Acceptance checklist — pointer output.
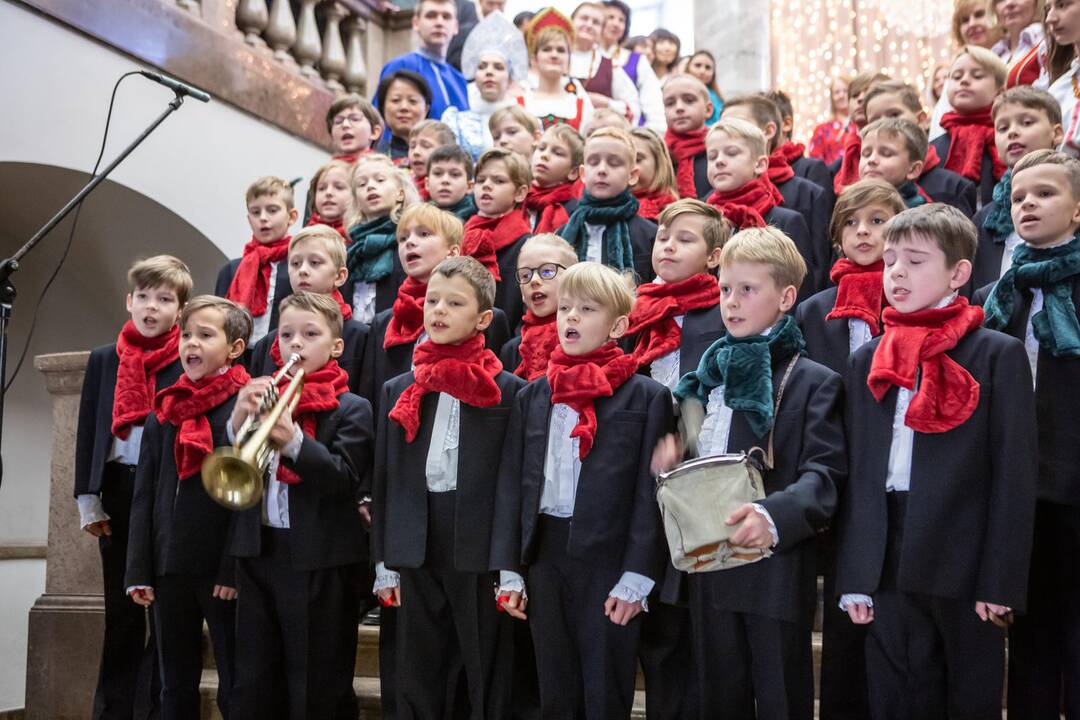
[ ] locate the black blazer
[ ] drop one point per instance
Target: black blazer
(354, 334)
(810, 466)
(818, 173)
(507, 291)
(794, 226)
(945, 186)
(400, 522)
(386, 290)
(1055, 408)
(827, 341)
(971, 504)
(93, 438)
(808, 199)
(986, 266)
(325, 529)
(175, 527)
(700, 329)
(985, 189)
(616, 520)
(642, 235)
(510, 355)
(282, 286)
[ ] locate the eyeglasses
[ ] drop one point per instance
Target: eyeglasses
(547, 271)
(354, 119)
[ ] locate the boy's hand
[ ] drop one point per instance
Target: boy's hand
(224, 592)
(143, 596)
(101, 528)
(390, 597)
(667, 453)
(1000, 615)
(860, 614)
(754, 531)
(513, 604)
(283, 429)
(249, 401)
(364, 510)
(621, 612)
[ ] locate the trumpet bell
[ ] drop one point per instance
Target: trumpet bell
(230, 480)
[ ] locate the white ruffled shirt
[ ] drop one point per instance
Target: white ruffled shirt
(665, 369)
(363, 302)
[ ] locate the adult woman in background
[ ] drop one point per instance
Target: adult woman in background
(637, 68)
(828, 138)
(666, 47)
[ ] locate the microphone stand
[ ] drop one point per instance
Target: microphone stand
(11, 264)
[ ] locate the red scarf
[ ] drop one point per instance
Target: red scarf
(650, 204)
(351, 158)
(321, 390)
(185, 405)
(779, 168)
(577, 380)
(407, 318)
(914, 342)
(657, 305)
(346, 308)
(485, 236)
(466, 372)
(792, 151)
(683, 148)
(547, 203)
(141, 358)
(421, 187)
(849, 164)
(970, 137)
(539, 337)
(931, 161)
(338, 225)
(860, 292)
(747, 206)
(251, 283)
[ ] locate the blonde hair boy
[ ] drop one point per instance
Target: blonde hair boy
(161, 270)
(766, 246)
(599, 283)
(741, 130)
(442, 223)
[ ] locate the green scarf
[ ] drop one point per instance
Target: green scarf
(744, 367)
(464, 209)
(1054, 271)
(909, 191)
(371, 254)
(999, 220)
(614, 214)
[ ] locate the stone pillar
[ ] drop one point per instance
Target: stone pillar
(736, 32)
(67, 623)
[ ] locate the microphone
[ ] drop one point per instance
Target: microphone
(176, 86)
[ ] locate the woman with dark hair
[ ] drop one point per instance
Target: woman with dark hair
(616, 29)
(666, 48)
(702, 65)
(404, 99)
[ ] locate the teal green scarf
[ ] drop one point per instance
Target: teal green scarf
(744, 367)
(371, 254)
(909, 191)
(1054, 271)
(615, 214)
(464, 209)
(999, 220)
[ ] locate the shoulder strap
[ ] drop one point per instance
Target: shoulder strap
(776, 409)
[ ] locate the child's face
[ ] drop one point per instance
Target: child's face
(862, 236)
(495, 192)
(404, 106)
(680, 250)
(1019, 130)
(731, 163)
(451, 311)
(351, 131)
(857, 105)
(885, 157)
(553, 58)
(269, 217)
(513, 136)
(1063, 21)
(684, 107)
(646, 164)
(889, 105)
(585, 325)
(551, 162)
(751, 301)
(609, 169)
(701, 67)
(420, 149)
(420, 249)
(312, 270)
(448, 183)
(375, 191)
(332, 194)
(307, 333)
(204, 347)
(492, 76)
(539, 294)
(153, 310)
(1044, 210)
(917, 275)
(971, 86)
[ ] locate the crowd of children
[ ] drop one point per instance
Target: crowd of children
(497, 354)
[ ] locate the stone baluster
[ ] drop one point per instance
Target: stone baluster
(355, 76)
(281, 31)
(252, 18)
(308, 46)
(333, 60)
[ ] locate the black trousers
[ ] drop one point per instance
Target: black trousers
(745, 660)
(128, 681)
(295, 637)
(181, 604)
(929, 657)
(666, 656)
(843, 658)
(585, 663)
(448, 620)
(1044, 644)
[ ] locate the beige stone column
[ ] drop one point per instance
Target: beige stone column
(736, 32)
(67, 623)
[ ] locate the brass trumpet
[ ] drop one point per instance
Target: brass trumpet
(233, 476)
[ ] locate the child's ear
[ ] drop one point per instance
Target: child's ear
(921, 119)
(294, 215)
(338, 348)
(519, 194)
(376, 133)
(1059, 135)
(709, 109)
(128, 301)
(635, 175)
(575, 173)
(712, 261)
(916, 170)
(470, 185)
(455, 250)
(619, 327)
(484, 320)
(961, 273)
(236, 348)
(787, 297)
(770, 131)
(761, 165)
(341, 277)
(581, 170)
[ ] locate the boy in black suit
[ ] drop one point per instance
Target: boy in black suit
(299, 549)
(177, 564)
(1035, 301)
(117, 396)
(433, 499)
(259, 280)
(686, 108)
(577, 451)
(450, 181)
(794, 153)
(605, 226)
(936, 520)
(752, 624)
